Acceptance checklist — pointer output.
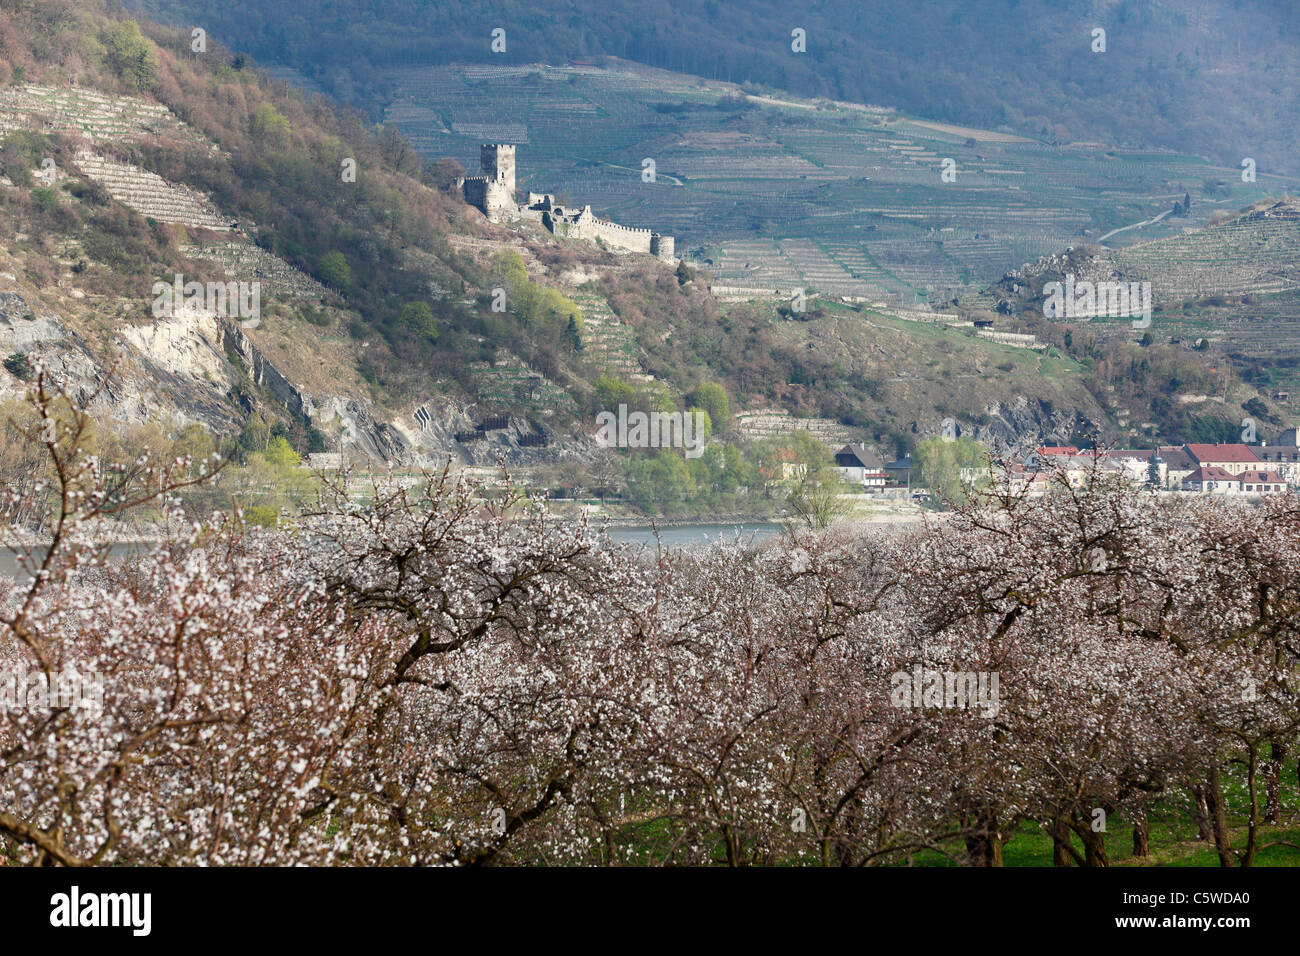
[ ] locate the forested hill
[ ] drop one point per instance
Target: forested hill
(1217, 77)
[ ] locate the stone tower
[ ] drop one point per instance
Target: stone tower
(498, 164)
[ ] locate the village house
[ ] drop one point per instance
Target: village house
(1212, 480)
(861, 466)
(1178, 465)
(1074, 463)
(1195, 468)
(898, 473)
(1261, 483)
(1029, 481)
(1284, 459)
(1233, 458)
(1133, 463)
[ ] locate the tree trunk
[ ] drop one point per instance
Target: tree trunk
(1203, 828)
(1252, 790)
(1218, 816)
(1094, 845)
(1277, 755)
(984, 847)
(1060, 834)
(1141, 833)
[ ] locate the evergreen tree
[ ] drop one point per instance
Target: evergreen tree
(572, 335)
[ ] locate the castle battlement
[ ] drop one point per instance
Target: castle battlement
(493, 194)
(609, 224)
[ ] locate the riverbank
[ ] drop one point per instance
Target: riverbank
(863, 508)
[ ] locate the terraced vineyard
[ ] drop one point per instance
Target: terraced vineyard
(1258, 254)
(1261, 337)
(606, 342)
(243, 261)
(1255, 254)
(775, 422)
(769, 196)
(99, 116)
(509, 384)
(151, 195)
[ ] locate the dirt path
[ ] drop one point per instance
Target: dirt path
(1136, 225)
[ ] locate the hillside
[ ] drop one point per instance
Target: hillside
(1218, 77)
(128, 159)
(1255, 252)
(777, 193)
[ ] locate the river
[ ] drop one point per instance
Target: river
(674, 536)
(677, 536)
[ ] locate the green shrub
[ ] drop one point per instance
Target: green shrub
(19, 366)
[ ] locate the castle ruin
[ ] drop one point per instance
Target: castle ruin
(493, 194)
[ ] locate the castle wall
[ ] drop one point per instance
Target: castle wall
(623, 237)
(475, 190)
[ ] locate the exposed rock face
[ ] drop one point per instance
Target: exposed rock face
(234, 343)
(178, 368)
(1016, 427)
(175, 368)
(67, 357)
(357, 429)
(189, 368)
(188, 345)
(437, 431)
(186, 368)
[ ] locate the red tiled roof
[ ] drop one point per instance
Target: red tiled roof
(1261, 476)
(1210, 473)
(1236, 454)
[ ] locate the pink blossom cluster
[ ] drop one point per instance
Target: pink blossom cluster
(417, 676)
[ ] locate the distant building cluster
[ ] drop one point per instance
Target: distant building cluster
(493, 194)
(1194, 468)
